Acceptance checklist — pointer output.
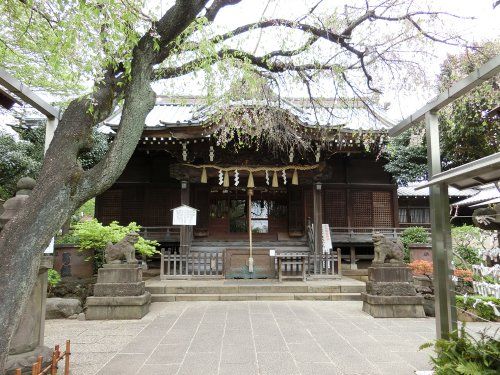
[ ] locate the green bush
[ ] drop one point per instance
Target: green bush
(462, 354)
(481, 310)
(93, 235)
(413, 235)
(465, 240)
(54, 277)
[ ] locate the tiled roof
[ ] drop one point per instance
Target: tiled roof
(169, 112)
(411, 191)
(487, 194)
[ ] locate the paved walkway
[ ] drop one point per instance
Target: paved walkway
(240, 338)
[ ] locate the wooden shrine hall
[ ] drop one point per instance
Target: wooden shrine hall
(265, 176)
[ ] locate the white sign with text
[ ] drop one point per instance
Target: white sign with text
(327, 239)
(184, 215)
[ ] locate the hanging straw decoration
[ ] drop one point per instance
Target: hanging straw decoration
(236, 178)
(295, 177)
(275, 180)
(250, 183)
(204, 176)
(224, 173)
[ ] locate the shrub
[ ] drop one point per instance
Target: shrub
(54, 277)
(465, 241)
(463, 275)
(462, 354)
(413, 235)
(421, 267)
(482, 310)
(93, 235)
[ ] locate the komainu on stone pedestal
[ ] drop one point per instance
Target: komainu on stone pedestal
(386, 249)
(123, 249)
(119, 292)
(390, 292)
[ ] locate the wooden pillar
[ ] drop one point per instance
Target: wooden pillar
(184, 231)
(317, 217)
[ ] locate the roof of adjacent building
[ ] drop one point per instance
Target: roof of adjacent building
(487, 194)
(411, 191)
(193, 111)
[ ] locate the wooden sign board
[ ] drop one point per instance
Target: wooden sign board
(327, 239)
(184, 215)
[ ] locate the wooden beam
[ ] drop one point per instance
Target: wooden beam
(483, 73)
(19, 89)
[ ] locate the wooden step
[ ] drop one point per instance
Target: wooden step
(257, 297)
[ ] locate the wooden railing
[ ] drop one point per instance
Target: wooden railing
(192, 265)
(325, 265)
(161, 234)
(362, 235)
(57, 356)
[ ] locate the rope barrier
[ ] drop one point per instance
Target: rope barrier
(255, 169)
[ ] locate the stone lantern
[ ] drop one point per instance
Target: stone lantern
(27, 342)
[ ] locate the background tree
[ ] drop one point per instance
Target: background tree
(123, 46)
(466, 133)
(23, 157)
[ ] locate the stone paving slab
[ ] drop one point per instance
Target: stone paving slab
(249, 337)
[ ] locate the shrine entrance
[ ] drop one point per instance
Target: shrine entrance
(228, 215)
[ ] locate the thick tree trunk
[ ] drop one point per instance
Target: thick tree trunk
(63, 186)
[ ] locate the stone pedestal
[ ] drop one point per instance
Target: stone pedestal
(390, 292)
(118, 294)
(27, 342)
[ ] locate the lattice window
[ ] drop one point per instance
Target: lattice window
(362, 209)
(382, 209)
(335, 208)
(108, 206)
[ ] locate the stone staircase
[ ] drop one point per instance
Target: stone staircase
(344, 289)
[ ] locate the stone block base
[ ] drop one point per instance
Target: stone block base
(393, 306)
(119, 289)
(110, 308)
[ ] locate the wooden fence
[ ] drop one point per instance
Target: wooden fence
(36, 368)
(210, 265)
(198, 264)
(326, 265)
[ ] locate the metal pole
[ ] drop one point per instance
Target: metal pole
(446, 315)
(250, 259)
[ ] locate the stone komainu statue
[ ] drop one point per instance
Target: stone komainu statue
(386, 249)
(114, 253)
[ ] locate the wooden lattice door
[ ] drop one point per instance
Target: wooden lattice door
(362, 209)
(335, 208)
(382, 209)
